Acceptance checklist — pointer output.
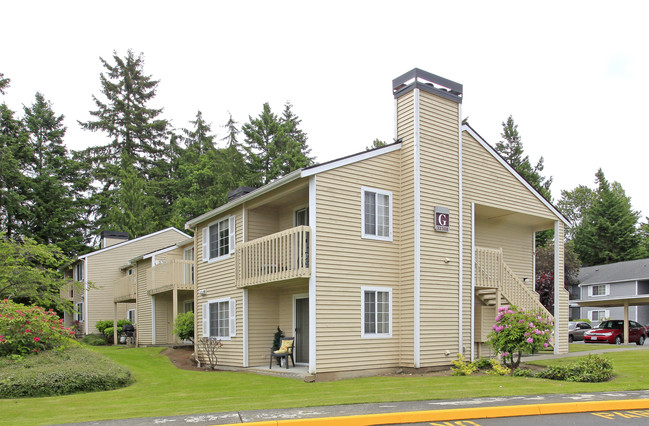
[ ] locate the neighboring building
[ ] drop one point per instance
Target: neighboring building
(100, 269)
(156, 287)
(604, 290)
(392, 258)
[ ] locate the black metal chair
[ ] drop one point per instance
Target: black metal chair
(285, 351)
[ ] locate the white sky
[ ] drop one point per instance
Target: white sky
(573, 74)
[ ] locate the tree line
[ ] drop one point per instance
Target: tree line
(147, 177)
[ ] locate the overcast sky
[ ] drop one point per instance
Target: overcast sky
(574, 75)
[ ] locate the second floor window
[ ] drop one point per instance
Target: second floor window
(377, 214)
(599, 290)
(219, 239)
(78, 271)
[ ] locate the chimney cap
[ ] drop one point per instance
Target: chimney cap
(240, 191)
(428, 82)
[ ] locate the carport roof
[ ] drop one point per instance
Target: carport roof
(610, 302)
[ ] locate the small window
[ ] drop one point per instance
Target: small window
(79, 314)
(598, 316)
(376, 312)
(78, 271)
(599, 290)
(130, 315)
(130, 271)
(188, 306)
(302, 217)
(219, 239)
(220, 318)
(71, 292)
(376, 211)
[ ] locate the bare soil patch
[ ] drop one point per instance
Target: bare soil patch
(181, 358)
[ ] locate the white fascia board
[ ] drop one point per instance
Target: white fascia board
(132, 241)
(515, 173)
(155, 253)
(238, 201)
(612, 282)
(350, 160)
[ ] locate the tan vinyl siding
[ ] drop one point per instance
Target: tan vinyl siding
(561, 326)
(263, 320)
(405, 300)
(439, 124)
(486, 181)
(346, 262)
(262, 221)
(217, 279)
(104, 269)
(144, 313)
(163, 318)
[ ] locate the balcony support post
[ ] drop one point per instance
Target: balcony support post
(175, 312)
(115, 342)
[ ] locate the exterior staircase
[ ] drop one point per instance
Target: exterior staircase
(497, 285)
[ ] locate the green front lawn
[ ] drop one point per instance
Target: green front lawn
(161, 389)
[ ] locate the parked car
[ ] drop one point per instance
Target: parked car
(612, 331)
(576, 330)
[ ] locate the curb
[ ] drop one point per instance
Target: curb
(464, 413)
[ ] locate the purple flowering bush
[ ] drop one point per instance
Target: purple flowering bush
(517, 332)
(30, 329)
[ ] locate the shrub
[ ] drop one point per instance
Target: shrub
(497, 368)
(209, 346)
(516, 332)
(60, 373)
(461, 367)
(94, 340)
(184, 326)
(30, 329)
(523, 372)
(590, 369)
(105, 327)
(482, 363)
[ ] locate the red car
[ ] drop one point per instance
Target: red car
(612, 332)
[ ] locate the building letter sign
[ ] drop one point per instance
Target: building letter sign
(442, 219)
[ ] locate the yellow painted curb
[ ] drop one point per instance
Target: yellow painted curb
(463, 413)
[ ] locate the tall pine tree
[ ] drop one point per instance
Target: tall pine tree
(136, 131)
(608, 231)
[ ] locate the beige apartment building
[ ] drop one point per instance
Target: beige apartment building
(99, 271)
(397, 257)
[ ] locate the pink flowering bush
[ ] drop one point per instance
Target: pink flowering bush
(516, 332)
(30, 329)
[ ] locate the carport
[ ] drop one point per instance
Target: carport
(612, 302)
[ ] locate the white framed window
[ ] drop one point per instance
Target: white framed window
(599, 315)
(376, 312)
(78, 315)
(301, 216)
(130, 315)
(599, 290)
(376, 212)
(188, 306)
(78, 271)
(219, 239)
(220, 318)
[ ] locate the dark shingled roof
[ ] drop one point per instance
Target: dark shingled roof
(630, 270)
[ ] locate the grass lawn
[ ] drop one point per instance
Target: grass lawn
(162, 389)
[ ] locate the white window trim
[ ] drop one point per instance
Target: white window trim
(390, 198)
(79, 313)
(232, 227)
(390, 312)
(298, 208)
(78, 267)
(232, 328)
(607, 290)
(134, 321)
(607, 314)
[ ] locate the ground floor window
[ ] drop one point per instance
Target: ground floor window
(78, 315)
(188, 306)
(376, 311)
(598, 316)
(219, 318)
(130, 315)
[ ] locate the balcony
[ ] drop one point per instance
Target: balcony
(175, 274)
(276, 257)
(125, 289)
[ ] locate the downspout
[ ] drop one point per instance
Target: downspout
(86, 320)
(312, 277)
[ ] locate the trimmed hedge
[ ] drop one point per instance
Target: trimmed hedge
(60, 373)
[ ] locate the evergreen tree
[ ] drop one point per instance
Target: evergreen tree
(199, 139)
(55, 202)
(232, 136)
(608, 231)
(644, 235)
(376, 143)
(274, 146)
(137, 133)
(573, 204)
(14, 159)
(511, 149)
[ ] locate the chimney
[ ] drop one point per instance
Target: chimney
(431, 83)
(239, 192)
(109, 238)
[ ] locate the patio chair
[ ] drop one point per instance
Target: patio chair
(285, 351)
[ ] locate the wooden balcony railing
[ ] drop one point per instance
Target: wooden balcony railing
(276, 257)
(125, 289)
(178, 274)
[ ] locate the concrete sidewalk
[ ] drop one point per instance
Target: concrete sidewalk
(411, 411)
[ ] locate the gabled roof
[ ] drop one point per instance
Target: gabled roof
(297, 174)
(119, 245)
(631, 270)
(497, 156)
